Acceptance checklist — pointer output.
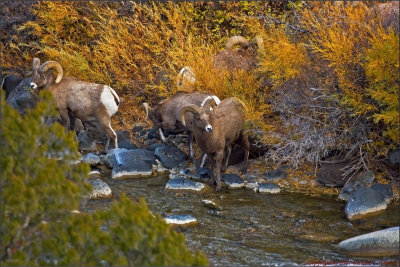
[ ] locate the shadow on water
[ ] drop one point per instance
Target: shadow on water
(256, 229)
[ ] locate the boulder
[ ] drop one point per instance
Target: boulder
(22, 97)
(170, 156)
(274, 175)
(233, 181)
(268, 188)
(365, 201)
(91, 159)
(364, 179)
(180, 183)
(181, 220)
(379, 243)
(86, 142)
(130, 163)
(124, 140)
(153, 146)
(202, 174)
(385, 190)
(100, 189)
(330, 174)
(394, 156)
(152, 133)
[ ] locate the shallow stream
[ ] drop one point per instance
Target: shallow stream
(257, 229)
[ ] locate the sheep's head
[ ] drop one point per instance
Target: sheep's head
(43, 74)
(202, 116)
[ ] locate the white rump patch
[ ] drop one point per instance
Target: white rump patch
(107, 98)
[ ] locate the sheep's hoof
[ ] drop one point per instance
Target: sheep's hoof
(218, 188)
(211, 181)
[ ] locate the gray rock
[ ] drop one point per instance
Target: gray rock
(152, 134)
(124, 140)
(180, 183)
(211, 204)
(394, 156)
(86, 142)
(365, 201)
(268, 188)
(274, 175)
(100, 189)
(202, 174)
(91, 159)
(22, 97)
(233, 181)
(137, 128)
(94, 174)
(364, 179)
(385, 190)
(130, 163)
(379, 243)
(170, 156)
(153, 147)
(181, 220)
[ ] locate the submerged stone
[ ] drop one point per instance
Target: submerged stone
(233, 181)
(211, 204)
(319, 237)
(100, 189)
(180, 183)
(365, 201)
(379, 243)
(268, 188)
(181, 220)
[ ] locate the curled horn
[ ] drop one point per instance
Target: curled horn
(235, 40)
(146, 108)
(189, 108)
(50, 65)
(209, 103)
(35, 63)
(258, 40)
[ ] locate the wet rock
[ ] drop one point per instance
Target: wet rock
(379, 243)
(152, 134)
(22, 97)
(91, 159)
(130, 163)
(202, 174)
(394, 156)
(124, 140)
(180, 183)
(153, 146)
(100, 189)
(86, 142)
(233, 181)
(211, 204)
(170, 156)
(385, 190)
(268, 188)
(365, 201)
(159, 168)
(94, 174)
(364, 179)
(319, 237)
(181, 220)
(274, 175)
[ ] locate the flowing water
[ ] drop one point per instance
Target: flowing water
(257, 229)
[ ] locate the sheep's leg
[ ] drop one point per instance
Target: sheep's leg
(228, 150)
(202, 161)
(190, 144)
(246, 146)
(212, 180)
(218, 160)
(65, 118)
(160, 132)
(106, 124)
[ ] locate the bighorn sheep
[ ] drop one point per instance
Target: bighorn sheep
(167, 114)
(243, 58)
(215, 130)
(86, 101)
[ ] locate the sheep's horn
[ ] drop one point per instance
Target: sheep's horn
(53, 64)
(146, 108)
(235, 40)
(259, 41)
(209, 103)
(189, 108)
(35, 63)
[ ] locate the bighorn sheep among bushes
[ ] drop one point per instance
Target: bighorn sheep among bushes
(167, 113)
(86, 101)
(215, 130)
(243, 58)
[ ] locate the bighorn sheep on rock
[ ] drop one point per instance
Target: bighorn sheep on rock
(167, 113)
(215, 130)
(86, 101)
(243, 58)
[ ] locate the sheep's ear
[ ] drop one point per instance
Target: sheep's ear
(35, 64)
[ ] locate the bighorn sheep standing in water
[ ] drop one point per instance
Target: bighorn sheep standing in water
(167, 114)
(215, 130)
(86, 101)
(243, 58)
